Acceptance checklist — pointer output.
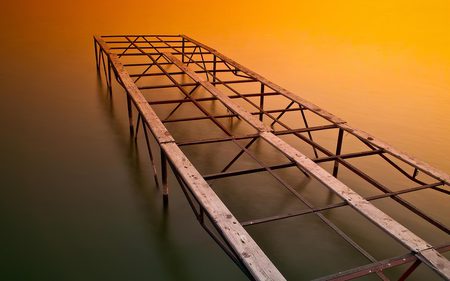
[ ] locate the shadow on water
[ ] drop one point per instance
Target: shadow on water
(145, 190)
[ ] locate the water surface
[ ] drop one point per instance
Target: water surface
(77, 200)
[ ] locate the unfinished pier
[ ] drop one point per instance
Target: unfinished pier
(163, 75)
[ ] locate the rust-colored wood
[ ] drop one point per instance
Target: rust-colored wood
(254, 259)
(364, 207)
(247, 251)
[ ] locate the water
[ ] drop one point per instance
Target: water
(76, 204)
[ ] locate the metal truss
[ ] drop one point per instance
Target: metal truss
(156, 64)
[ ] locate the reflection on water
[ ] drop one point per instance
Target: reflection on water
(77, 198)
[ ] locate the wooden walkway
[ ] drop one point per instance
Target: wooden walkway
(191, 67)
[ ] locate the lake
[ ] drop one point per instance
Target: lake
(78, 201)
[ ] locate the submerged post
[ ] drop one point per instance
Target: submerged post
(261, 102)
(97, 63)
(182, 50)
(109, 77)
(165, 187)
(130, 115)
(338, 152)
(214, 68)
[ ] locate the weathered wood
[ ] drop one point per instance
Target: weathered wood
(309, 105)
(149, 116)
(424, 167)
(385, 222)
(259, 266)
(103, 45)
(237, 109)
(436, 260)
(250, 253)
(330, 117)
(254, 259)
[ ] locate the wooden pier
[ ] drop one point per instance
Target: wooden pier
(200, 75)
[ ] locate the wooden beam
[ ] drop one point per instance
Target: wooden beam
(254, 259)
(364, 207)
(424, 167)
(249, 252)
(237, 109)
(149, 116)
(416, 244)
(330, 117)
(242, 244)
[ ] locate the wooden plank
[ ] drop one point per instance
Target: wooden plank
(258, 264)
(325, 114)
(149, 116)
(437, 260)
(385, 222)
(399, 154)
(251, 255)
(330, 117)
(103, 44)
(236, 108)
(352, 198)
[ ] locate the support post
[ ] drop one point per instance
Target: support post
(149, 149)
(214, 68)
(97, 63)
(261, 103)
(130, 115)
(338, 152)
(165, 187)
(109, 77)
(415, 173)
(182, 50)
(137, 127)
(305, 121)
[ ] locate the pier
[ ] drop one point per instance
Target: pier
(177, 71)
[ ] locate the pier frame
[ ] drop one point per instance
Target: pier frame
(193, 59)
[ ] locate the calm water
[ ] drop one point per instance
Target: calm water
(77, 201)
